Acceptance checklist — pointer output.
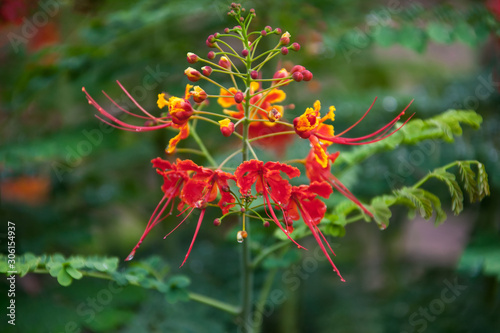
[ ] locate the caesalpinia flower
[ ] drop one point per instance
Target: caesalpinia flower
(196, 186)
(261, 106)
(180, 110)
(304, 203)
(269, 183)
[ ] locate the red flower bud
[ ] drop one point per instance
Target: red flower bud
(268, 28)
(244, 53)
(207, 70)
(238, 97)
(199, 95)
(224, 62)
(226, 30)
(217, 222)
(295, 46)
(282, 73)
(307, 75)
(297, 76)
(266, 224)
(285, 38)
(226, 127)
(284, 50)
(210, 41)
(192, 74)
(278, 31)
(263, 32)
(254, 75)
(211, 55)
(192, 58)
(297, 68)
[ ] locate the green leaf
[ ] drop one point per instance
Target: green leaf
(484, 187)
(179, 281)
(469, 180)
(418, 198)
(457, 196)
(413, 38)
(74, 273)
(385, 36)
(64, 278)
(465, 33)
(436, 203)
(439, 32)
(334, 230)
(380, 209)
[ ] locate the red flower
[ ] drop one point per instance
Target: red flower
(311, 126)
(269, 183)
(260, 107)
(317, 173)
(173, 179)
(304, 202)
(199, 187)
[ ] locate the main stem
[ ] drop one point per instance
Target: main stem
(246, 260)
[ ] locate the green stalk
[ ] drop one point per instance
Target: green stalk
(198, 140)
(246, 260)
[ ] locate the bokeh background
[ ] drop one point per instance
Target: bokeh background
(73, 186)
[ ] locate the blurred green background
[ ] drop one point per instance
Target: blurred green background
(74, 186)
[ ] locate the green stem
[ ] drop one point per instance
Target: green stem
(202, 146)
(261, 303)
(214, 303)
(246, 260)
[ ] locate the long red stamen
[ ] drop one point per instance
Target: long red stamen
(150, 225)
(179, 223)
(316, 232)
(354, 125)
(194, 236)
(132, 128)
(276, 221)
(124, 110)
(354, 141)
(133, 100)
(332, 180)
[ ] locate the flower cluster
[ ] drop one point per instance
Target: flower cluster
(250, 110)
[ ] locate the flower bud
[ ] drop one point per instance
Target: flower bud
(199, 95)
(244, 53)
(211, 55)
(274, 115)
(268, 28)
(210, 41)
(295, 46)
(217, 222)
(307, 75)
(207, 70)
(278, 31)
(297, 76)
(266, 224)
(226, 30)
(224, 62)
(284, 50)
(263, 32)
(282, 73)
(238, 97)
(226, 127)
(297, 68)
(254, 75)
(216, 35)
(192, 74)
(285, 38)
(192, 58)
